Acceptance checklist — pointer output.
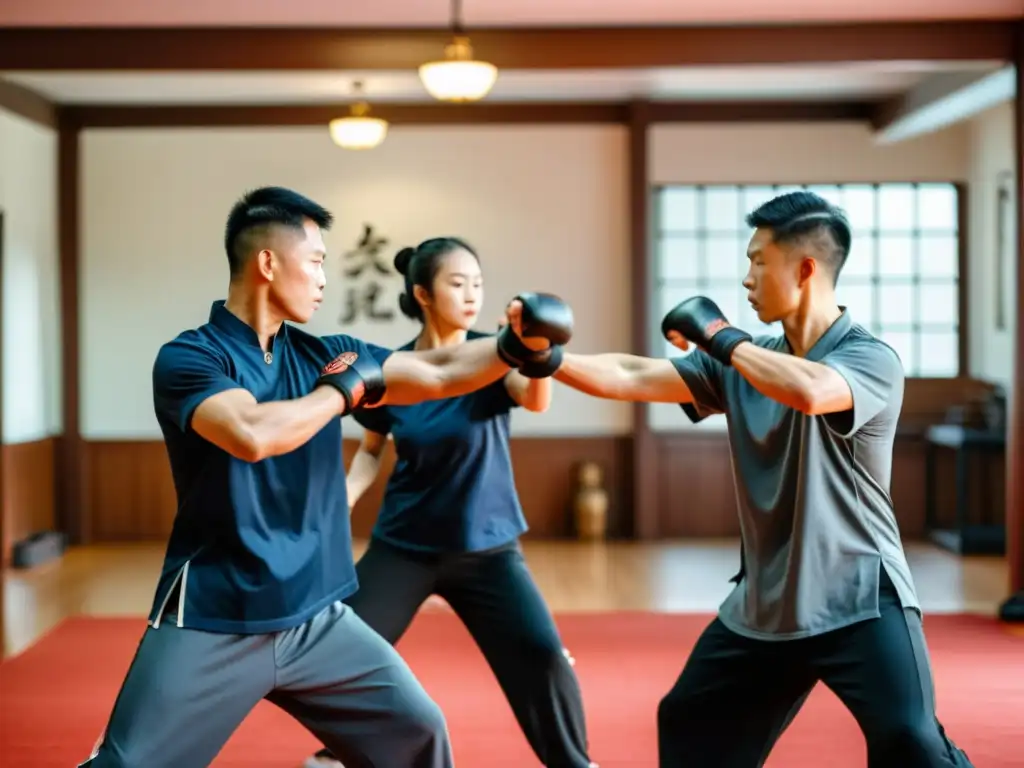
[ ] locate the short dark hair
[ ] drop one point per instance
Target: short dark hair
(260, 210)
(807, 219)
(420, 266)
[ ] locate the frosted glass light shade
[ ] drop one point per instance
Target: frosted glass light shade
(458, 77)
(458, 80)
(358, 132)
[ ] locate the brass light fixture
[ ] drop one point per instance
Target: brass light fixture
(358, 130)
(458, 77)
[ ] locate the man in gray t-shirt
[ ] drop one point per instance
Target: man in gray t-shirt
(824, 592)
(813, 493)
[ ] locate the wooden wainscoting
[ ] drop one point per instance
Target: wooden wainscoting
(696, 495)
(544, 480)
(697, 498)
(128, 490)
(28, 498)
(131, 496)
(696, 492)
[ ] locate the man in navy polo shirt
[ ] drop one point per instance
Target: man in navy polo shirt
(249, 601)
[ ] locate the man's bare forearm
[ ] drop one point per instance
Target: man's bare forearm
(607, 375)
(281, 426)
(470, 366)
(412, 377)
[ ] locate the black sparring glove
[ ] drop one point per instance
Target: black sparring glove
(359, 378)
(699, 320)
(544, 316)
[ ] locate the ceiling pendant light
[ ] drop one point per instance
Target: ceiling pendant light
(458, 77)
(358, 130)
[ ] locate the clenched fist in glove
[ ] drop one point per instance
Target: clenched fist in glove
(700, 321)
(539, 325)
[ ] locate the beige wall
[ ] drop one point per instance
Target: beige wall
(545, 206)
(31, 336)
(800, 153)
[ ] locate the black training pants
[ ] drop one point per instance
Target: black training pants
(736, 695)
(496, 598)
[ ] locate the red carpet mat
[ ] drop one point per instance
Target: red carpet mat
(55, 697)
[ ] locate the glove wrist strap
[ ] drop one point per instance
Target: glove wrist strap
(351, 398)
(513, 352)
(542, 369)
(725, 342)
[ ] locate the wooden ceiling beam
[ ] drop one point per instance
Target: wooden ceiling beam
(156, 116)
(252, 49)
(28, 104)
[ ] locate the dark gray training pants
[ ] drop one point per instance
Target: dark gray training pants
(187, 691)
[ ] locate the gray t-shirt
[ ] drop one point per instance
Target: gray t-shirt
(816, 518)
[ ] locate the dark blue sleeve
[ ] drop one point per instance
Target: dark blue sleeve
(341, 342)
(702, 375)
(374, 419)
(497, 398)
(186, 373)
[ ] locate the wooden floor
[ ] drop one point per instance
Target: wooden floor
(118, 580)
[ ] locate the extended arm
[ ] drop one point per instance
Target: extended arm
(616, 376)
(412, 377)
(365, 465)
(535, 322)
(811, 388)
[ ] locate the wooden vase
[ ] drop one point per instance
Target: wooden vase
(590, 505)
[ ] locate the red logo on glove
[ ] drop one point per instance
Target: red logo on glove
(340, 363)
(714, 327)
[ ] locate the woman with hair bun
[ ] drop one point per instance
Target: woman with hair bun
(450, 521)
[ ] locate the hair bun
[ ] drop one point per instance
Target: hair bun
(403, 258)
(410, 307)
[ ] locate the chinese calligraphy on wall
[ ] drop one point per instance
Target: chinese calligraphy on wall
(366, 268)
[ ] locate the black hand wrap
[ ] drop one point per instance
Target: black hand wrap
(700, 321)
(360, 379)
(544, 316)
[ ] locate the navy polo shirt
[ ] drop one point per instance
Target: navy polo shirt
(452, 488)
(255, 547)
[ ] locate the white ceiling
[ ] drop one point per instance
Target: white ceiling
(491, 13)
(834, 82)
